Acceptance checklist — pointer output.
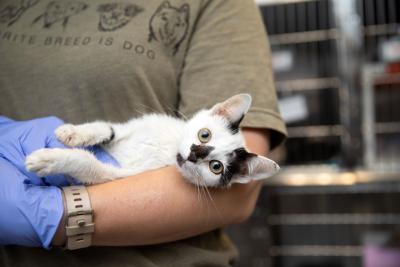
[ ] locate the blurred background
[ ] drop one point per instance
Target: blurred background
(336, 201)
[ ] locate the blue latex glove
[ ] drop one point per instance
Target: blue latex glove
(30, 206)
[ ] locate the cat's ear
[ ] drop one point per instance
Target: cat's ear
(233, 109)
(258, 168)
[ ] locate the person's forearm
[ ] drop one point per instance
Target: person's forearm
(160, 206)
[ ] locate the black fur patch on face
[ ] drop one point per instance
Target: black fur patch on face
(234, 126)
(199, 152)
(236, 165)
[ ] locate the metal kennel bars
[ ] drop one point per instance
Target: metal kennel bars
(340, 163)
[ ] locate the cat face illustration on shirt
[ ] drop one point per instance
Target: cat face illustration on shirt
(60, 11)
(169, 25)
(116, 15)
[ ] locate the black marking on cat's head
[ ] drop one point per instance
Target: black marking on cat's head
(237, 165)
(169, 25)
(116, 15)
(234, 126)
(199, 152)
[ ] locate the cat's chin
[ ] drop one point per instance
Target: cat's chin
(186, 171)
(191, 176)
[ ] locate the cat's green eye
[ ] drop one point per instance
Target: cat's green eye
(216, 166)
(204, 135)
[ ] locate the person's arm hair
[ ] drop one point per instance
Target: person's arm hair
(160, 206)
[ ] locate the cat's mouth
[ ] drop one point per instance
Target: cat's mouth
(180, 160)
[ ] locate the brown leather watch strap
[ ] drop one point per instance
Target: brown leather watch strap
(79, 224)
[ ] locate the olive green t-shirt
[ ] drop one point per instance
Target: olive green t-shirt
(84, 60)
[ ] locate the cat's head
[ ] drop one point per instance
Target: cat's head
(212, 151)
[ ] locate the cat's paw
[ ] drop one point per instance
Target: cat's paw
(67, 134)
(70, 135)
(45, 161)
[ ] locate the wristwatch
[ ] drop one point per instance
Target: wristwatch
(79, 225)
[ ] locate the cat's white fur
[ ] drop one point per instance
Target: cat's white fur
(151, 142)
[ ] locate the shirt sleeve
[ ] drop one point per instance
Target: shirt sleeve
(228, 53)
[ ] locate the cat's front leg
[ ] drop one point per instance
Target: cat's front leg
(88, 134)
(76, 163)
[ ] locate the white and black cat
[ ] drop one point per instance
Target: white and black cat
(208, 149)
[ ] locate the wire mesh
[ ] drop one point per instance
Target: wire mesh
(296, 226)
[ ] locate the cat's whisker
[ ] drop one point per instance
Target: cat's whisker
(198, 190)
(206, 201)
(139, 111)
(198, 180)
(181, 114)
(200, 186)
(149, 108)
(174, 110)
(212, 200)
(203, 193)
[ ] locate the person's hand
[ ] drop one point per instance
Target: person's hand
(30, 206)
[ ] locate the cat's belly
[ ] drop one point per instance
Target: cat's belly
(154, 147)
(145, 155)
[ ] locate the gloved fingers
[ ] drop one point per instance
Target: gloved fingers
(29, 214)
(44, 208)
(14, 227)
(39, 133)
(18, 139)
(10, 179)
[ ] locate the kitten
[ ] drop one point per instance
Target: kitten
(208, 149)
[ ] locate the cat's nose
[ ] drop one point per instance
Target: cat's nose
(199, 152)
(192, 157)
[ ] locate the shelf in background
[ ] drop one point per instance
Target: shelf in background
(387, 127)
(303, 37)
(330, 175)
(381, 29)
(308, 84)
(316, 251)
(315, 131)
(330, 34)
(335, 219)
